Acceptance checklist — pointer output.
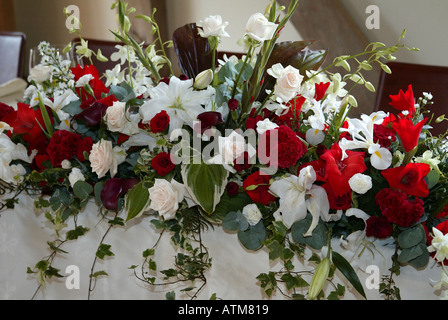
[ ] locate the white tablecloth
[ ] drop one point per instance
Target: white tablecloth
(24, 233)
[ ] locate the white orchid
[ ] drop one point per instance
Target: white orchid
(439, 244)
(361, 131)
(298, 196)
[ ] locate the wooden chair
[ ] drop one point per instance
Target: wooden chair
(12, 55)
(423, 78)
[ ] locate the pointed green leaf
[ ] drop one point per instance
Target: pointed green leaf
(137, 200)
(347, 270)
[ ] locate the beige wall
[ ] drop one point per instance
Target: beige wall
(426, 23)
(44, 20)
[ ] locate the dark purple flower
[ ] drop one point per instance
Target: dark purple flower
(113, 189)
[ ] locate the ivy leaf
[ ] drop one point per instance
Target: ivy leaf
(347, 270)
(206, 184)
(103, 251)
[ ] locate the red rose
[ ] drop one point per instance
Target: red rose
(281, 143)
(383, 135)
(233, 104)
(379, 227)
(232, 189)
(404, 101)
(257, 188)
(409, 178)
(408, 132)
(160, 122)
(162, 164)
(63, 146)
(85, 145)
(242, 162)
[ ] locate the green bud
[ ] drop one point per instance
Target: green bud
(319, 278)
(203, 79)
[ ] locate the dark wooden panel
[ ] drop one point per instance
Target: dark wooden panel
(7, 20)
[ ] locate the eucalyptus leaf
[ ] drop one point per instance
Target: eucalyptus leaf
(82, 189)
(318, 239)
(235, 221)
(252, 238)
(411, 253)
(411, 237)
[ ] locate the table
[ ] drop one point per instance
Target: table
(24, 232)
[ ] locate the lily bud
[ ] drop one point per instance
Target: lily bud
(319, 278)
(203, 79)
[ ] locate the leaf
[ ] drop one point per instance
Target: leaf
(76, 233)
(193, 51)
(316, 241)
(82, 190)
(411, 253)
(137, 200)
(347, 270)
(253, 237)
(235, 221)
(206, 184)
(103, 251)
(229, 204)
(411, 237)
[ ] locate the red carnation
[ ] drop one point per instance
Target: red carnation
(162, 164)
(379, 227)
(409, 178)
(160, 122)
(281, 143)
(63, 146)
(404, 101)
(257, 188)
(242, 162)
(398, 209)
(85, 145)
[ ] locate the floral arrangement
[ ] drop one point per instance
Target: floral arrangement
(261, 145)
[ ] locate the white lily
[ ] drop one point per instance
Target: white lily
(361, 131)
(298, 196)
(180, 101)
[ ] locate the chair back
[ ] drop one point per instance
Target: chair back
(12, 55)
(423, 78)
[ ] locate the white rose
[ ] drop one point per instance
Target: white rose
(360, 183)
(75, 176)
(102, 159)
(165, 197)
(288, 84)
(252, 214)
(212, 26)
(259, 28)
(232, 147)
(116, 116)
(40, 74)
(265, 125)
